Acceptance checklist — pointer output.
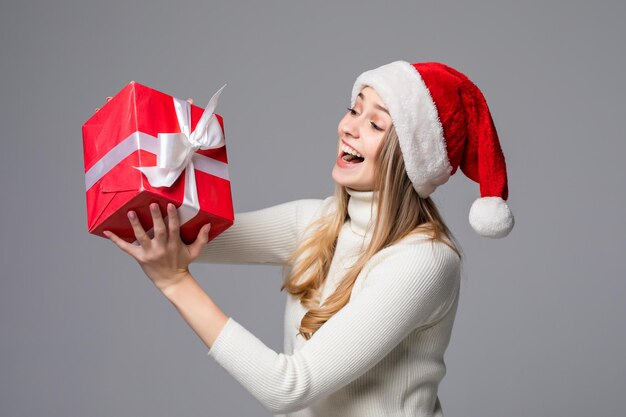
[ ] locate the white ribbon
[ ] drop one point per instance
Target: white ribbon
(176, 149)
(176, 152)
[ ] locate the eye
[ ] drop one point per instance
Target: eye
(353, 112)
(376, 127)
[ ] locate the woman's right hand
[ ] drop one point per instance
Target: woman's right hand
(189, 100)
(106, 101)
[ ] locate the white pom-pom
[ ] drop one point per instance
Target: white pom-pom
(491, 217)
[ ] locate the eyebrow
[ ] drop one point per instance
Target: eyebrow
(375, 105)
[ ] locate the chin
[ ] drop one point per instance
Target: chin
(349, 184)
(342, 178)
(339, 178)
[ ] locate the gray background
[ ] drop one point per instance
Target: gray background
(540, 328)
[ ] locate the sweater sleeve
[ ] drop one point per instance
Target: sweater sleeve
(412, 288)
(264, 236)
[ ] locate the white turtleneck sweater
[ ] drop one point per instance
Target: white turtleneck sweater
(382, 354)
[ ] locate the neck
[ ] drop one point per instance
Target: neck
(362, 209)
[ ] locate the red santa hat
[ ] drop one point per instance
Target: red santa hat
(443, 123)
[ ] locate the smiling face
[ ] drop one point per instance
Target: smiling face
(361, 132)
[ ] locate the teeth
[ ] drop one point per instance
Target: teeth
(348, 149)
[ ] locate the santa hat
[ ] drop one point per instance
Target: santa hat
(443, 122)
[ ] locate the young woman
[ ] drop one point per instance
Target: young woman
(372, 272)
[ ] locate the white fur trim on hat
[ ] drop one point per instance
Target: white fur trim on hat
(415, 118)
(491, 217)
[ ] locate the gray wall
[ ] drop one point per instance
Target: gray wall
(540, 327)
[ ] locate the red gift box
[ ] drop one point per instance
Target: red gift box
(144, 146)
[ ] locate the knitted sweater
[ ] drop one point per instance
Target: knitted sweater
(381, 354)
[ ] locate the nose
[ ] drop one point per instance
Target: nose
(350, 127)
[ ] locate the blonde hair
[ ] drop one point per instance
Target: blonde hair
(400, 212)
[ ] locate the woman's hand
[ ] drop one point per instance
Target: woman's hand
(105, 102)
(165, 259)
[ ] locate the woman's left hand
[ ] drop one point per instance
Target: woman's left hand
(165, 259)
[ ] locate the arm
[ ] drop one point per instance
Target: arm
(197, 308)
(414, 287)
(265, 236)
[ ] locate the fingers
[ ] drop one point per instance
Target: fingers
(173, 221)
(106, 101)
(160, 232)
(140, 233)
(203, 238)
(190, 100)
(122, 244)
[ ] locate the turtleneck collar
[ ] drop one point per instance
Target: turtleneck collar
(359, 205)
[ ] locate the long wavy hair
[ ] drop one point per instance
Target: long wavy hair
(400, 212)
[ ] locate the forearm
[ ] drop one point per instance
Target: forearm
(264, 236)
(197, 308)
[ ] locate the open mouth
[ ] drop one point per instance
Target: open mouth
(352, 159)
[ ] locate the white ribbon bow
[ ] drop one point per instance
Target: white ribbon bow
(176, 151)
